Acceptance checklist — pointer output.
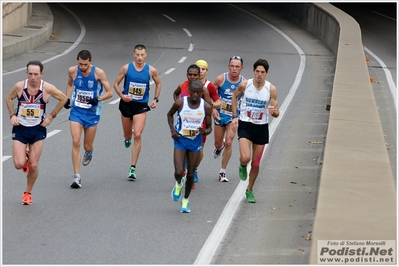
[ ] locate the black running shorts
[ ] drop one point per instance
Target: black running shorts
(129, 109)
(256, 133)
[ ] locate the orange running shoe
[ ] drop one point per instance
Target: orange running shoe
(25, 168)
(26, 198)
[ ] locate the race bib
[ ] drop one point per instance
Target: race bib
(30, 110)
(189, 132)
(226, 108)
(82, 97)
(136, 90)
(255, 115)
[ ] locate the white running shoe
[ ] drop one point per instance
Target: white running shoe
(222, 177)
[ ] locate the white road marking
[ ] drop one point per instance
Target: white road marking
(182, 59)
(191, 48)
(188, 32)
(169, 18)
(388, 75)
(6, 158)
(170, 70)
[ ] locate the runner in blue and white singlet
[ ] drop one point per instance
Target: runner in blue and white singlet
(226, 84)
(187, 133)
(188, 122)
(87, 87)
(225, 92)
(84, 89)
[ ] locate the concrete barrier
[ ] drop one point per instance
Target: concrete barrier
(357, 196)
(15, 15)
(35, 32)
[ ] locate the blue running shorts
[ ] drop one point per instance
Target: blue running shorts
(87, 119)
(186, 144)
(223, 121)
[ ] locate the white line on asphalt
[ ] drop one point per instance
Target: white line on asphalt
(115, 101)
(182, 59)
(391, 83)
(54, 132)
(191, 48)
(6, 158)
(76, 43)
(169, 18)
(385, 16)
(170, 70)
(215, 238)
(188, 32)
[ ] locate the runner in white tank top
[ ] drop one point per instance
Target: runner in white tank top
(259, 99)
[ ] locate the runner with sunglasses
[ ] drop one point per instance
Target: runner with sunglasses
(226, 84)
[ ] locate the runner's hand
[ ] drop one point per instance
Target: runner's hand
(93, 101)
(68, 104)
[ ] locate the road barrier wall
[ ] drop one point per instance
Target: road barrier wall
(25, 27)
(15, 15)
(357, 195)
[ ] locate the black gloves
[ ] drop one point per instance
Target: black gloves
(93, 101)
(68, 104)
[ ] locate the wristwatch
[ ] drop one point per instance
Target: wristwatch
(156, 98)
(53, 115)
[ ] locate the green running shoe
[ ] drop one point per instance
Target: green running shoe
(242, 172)
(128, 143)
(250, 196)
(132, 173)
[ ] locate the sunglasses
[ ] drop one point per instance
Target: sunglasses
(236, 57)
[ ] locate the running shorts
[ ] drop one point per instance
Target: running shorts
(256, 133)
(191, 145)
(85, 118)
(29, 135)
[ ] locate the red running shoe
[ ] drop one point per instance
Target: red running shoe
(26, 198)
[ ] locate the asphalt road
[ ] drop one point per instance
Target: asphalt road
(113, 221)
